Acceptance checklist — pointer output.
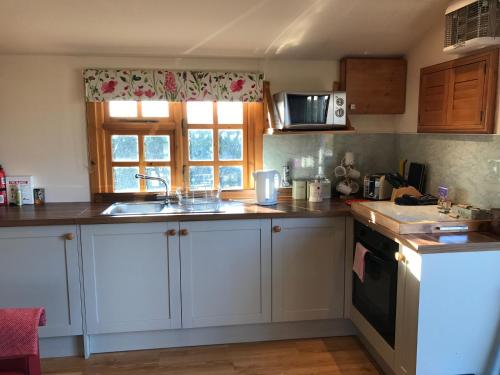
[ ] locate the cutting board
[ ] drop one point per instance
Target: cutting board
(415, 219)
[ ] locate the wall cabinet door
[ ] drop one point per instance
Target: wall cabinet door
(132, 280)
(374, 85)
(39, 268)
(308, 269)
(434, 89)
(459, 96)
(226, 272)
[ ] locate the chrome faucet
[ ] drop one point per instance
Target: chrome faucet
(146, 177)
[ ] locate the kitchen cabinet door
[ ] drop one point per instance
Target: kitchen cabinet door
(308, 269)
(409, 269)
(39, 268)
(433, 99)
(225, 272)
(132, 280)
(459, 96)
(374, 85)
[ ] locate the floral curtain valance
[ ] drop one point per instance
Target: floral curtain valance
(179, 86)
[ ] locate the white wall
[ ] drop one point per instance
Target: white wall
(428, 51)
(42, 111)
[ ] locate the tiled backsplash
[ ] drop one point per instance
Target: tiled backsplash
(468, 164)
(316, 154)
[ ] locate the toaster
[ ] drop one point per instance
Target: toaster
(377, 187)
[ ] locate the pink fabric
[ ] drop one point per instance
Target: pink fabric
(359, 261)
(19, 331)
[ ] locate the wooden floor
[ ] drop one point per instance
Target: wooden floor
(336, 355)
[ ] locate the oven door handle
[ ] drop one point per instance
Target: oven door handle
(377, 258)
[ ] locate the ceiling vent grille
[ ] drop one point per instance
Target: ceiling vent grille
(472, 24)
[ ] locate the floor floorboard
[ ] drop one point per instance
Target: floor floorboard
(335, 356)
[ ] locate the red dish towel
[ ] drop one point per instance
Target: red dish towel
(19, 331)
(358, 265)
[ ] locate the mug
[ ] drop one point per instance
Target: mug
(354, 187)
(344, 188)
(340, 171)
(353, 173)
(349, 158)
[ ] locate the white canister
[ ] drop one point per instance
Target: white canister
(299, 189)
(315, 191)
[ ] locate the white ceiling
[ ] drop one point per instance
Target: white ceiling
(301, 29)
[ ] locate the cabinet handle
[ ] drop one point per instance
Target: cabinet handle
(183, 232)
(69, 236)
(276, 229)
(171, 232)
(400, 257)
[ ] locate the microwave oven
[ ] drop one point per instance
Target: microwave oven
(310, 110)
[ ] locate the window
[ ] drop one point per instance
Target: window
(215, 145)
(193, 145)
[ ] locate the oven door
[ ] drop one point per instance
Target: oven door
(375, 298)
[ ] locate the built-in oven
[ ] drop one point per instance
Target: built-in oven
(375, 296)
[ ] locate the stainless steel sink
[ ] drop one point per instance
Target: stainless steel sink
(141, 208)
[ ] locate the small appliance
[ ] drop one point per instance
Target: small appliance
(266, 186)
(376, 186)
(310, 110)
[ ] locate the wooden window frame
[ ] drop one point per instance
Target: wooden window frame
(142, 164)
(216, 163)
(100, 127)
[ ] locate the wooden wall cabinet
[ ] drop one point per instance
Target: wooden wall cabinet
(374, 86)
(459, 96)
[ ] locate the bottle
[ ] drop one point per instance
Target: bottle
(19, 196)
(285, 176)
(3, 188)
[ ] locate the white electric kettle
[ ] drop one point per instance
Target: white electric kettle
(266, 186)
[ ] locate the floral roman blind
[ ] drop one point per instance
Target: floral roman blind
(176, 86)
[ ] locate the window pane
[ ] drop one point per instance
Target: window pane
(231, 144)
(124, 179)
(125, 148)
(163, 172)
(200, 112)
(157, 147)
(123, 108)
(201, 145)
(201, 178)
(154, 108)
(231, 177)
(230, 112)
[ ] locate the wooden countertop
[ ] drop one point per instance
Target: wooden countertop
(90, 213)
(431, 243)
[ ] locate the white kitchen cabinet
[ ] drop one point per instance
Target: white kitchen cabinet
(405, 354)
(308, 268)
(226, 272)
(132, 279)
(39, 268)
